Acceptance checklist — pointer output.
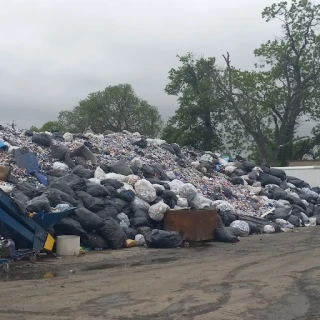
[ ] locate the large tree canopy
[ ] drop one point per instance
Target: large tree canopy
(201, 108)
(116, 108)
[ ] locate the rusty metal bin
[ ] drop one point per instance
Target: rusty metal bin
(192, 225)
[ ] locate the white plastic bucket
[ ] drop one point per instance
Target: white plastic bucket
(313, 221)
(68, 245)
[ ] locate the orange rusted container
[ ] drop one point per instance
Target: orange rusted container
(192, 225)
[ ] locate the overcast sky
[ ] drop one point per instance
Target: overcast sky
(54, 52)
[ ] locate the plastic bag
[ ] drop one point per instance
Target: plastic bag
(137, 162)
(68, 137)
(284, 224)
(99, 174)
(182, 202)
(115, 176)
(113, 233)
(140, 240)
(157, 211)
(70, 226)
(82, 172)
(59, 152)
(93, 241)
(175, 185)
(200, 202)
(123, 217)
(163, 239)
(132, 179)
(39, 204)
(97, 190)
(223, 205)
(62, 207)
(130, 233)
(269, 229)
(127, 195)
(188, 191)
(242, 226)
(42, 139)
(88, 220)
(170, 174)
(139, 204)
(145, 190)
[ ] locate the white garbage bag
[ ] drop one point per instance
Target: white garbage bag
(140, 240)
(115, 176)
(175, 185)
(171, 176)
(132, 179)
(159, 187)
(188, 191)
(157, 211)
(68, 137)
(123, 217)
(269, 229)
(182, 202)
(284, 224)
(60, 166)
(137, 162)
(99, 174)
(200, 202)
(95, 180)
(145, 190)
(242, 226)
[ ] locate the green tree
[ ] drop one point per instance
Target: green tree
(270, 103)
(116, 108)
(201, 108)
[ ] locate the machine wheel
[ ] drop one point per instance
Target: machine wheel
(33, 258)
(6, 267)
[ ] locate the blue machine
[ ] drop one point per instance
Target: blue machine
(32, 227)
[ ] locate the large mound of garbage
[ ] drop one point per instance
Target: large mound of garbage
(122, 185)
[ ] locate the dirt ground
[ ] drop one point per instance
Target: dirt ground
(262, 277)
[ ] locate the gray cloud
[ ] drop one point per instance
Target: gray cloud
(53, 53)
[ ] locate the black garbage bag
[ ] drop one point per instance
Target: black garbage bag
(299, 215)
(97, 190)
(163, 239)
(298, 208)
(88, 219)
(141, 214)
(42, 139)
(56, 197)
(78, 184)
(62, 186)
(316, 210)
(317, 216)
(120, 204)
(82, 172)
(91, 203)
(177, 149)
(248, 165)
(130, 233)
(169, 148)
(224, 235)
(112, 183)
(227, 217)
(295, 181)
(239, 165)
(27, 188)
(268, 179)
(253, 176)
(108, 212)
(127, 195)
(39, 204)
(284, 185)
(169, 198)
(294, 220)
(144, 230)
(18, 195)
(159, 171)
(278, 173)
(147, 171)
(236, 181)
(113, 233)
(140, 222)
(279, 193)
(59, 151)
(234, 231)
(254, 228)
(93, 241)
(239, 172)
(69, 226)
(142, 143)
(281, 213)
(28, 133)
(297, 201)
(121, 167)
(265, 168)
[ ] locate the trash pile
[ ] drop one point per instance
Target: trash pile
(122, 185)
